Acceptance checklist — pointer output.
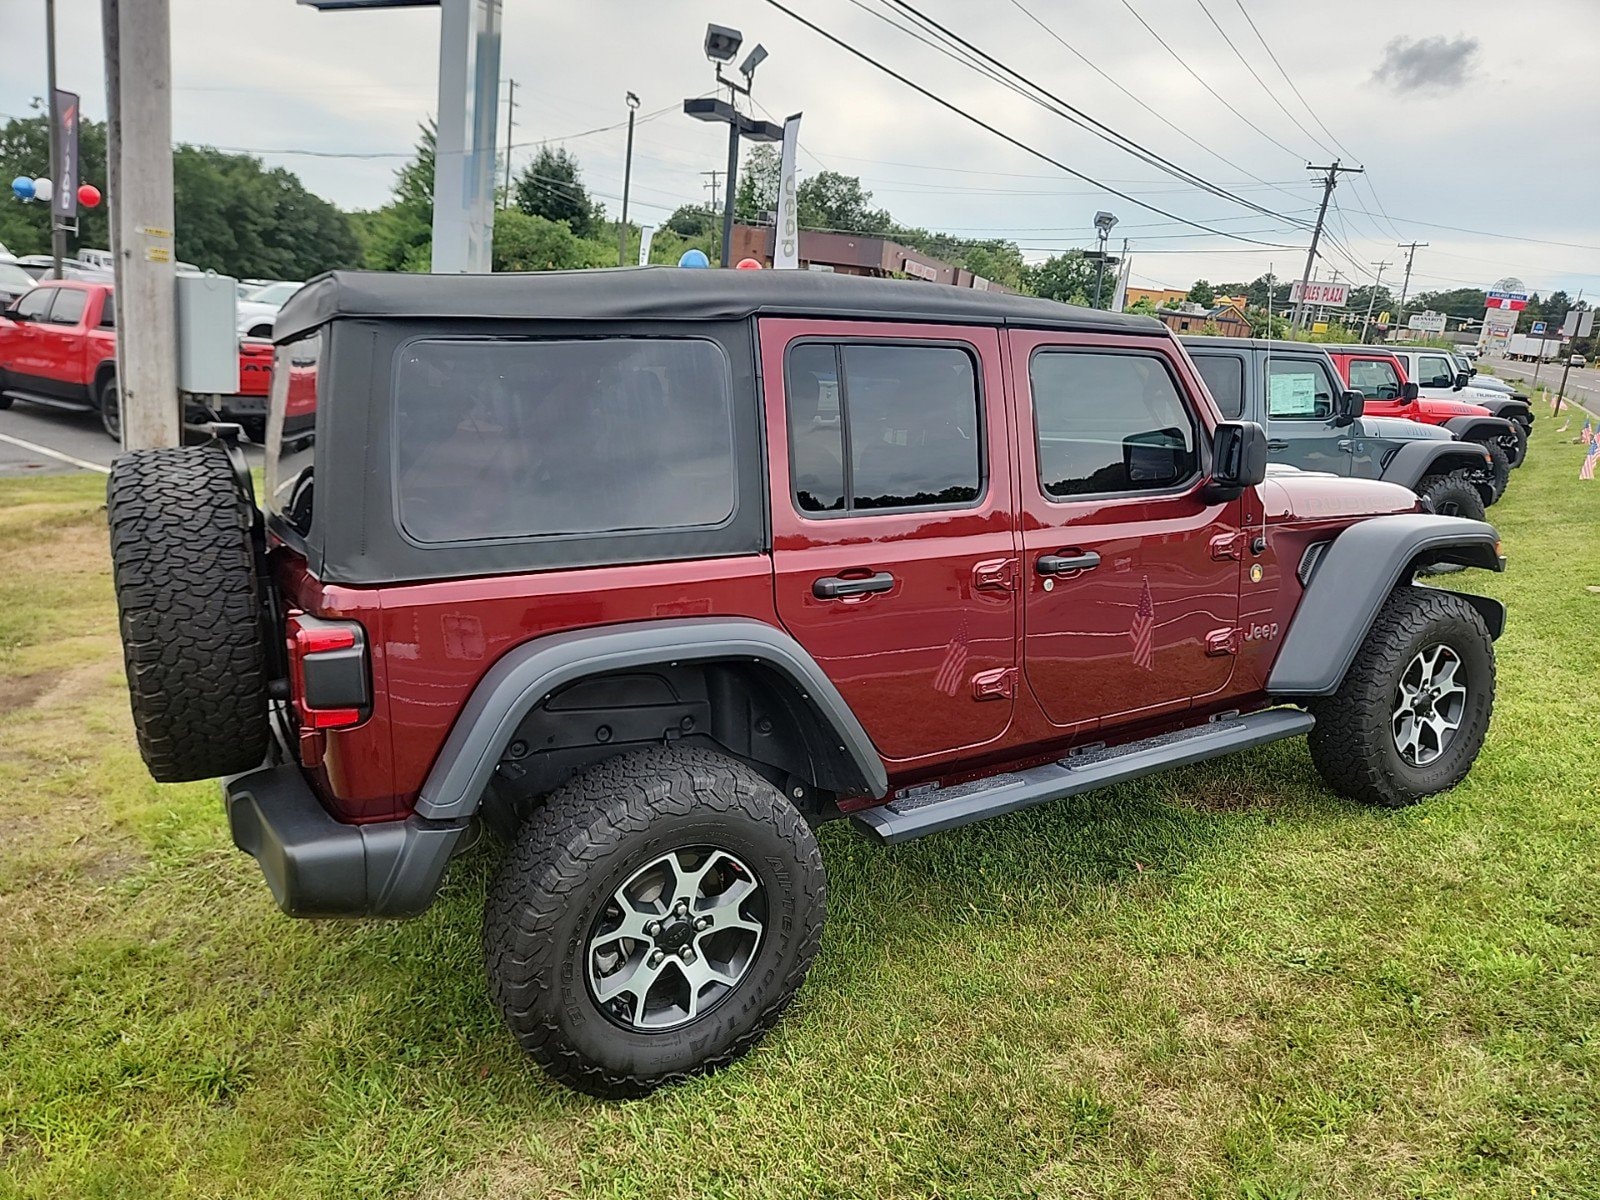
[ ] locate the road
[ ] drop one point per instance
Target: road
(35, 440)
(1583, 383)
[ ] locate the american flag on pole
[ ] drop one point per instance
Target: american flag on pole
(954, 664)
(1587, 436)
(1143, 630)
(1587, 470)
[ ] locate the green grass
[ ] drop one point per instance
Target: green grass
(1220, 982)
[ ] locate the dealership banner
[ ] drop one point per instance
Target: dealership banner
(64, 117)
(1323, 295)
(646, 232)
(786, 242)
(1507, 301)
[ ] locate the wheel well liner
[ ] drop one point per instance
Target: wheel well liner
(1414, 460)
(842, 757)
(1351, 581)
(1472, 428)
(101, 373)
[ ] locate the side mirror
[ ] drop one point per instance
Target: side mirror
(1409, 391)
(12, 314)
(1472, 370)
(1238, 459)
(1461, 380)
(1351, 406)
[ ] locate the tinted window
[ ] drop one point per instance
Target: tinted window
(1224, 376)
(903, 418)
(291, 433)
(37, 302)
(1109, 423)
(108, 312)
(1436, 371)
(1298, 390)
(498, 439)
(1375, 378)
(69, 305)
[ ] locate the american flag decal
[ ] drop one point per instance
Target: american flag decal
(1587, 470)
(954, 664)
(1143, 630)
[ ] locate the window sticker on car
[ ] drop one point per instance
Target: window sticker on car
(1292, 395)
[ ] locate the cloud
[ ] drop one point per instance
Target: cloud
(1430, 64)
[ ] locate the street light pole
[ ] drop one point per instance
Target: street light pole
(627, 179)
(1103, 222)
(58, 231)
(1366, 325)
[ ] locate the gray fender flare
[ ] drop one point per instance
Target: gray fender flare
(1476, 429)
(1353, 578)
(528, 673)
(1414, 460)
(1499, 407)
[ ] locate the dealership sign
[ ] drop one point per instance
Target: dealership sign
(1324, 295)
(1513, 301)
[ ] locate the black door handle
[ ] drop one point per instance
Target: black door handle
(832, 587)
(1277, 445)
(1062, 564)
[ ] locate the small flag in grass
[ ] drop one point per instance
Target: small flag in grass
(1587, 470)
(1587, 436)
(1565, 425)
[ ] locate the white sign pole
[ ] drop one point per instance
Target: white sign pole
(786, 245)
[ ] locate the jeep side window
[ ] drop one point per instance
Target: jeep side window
(875, 427)
(1374, 377)
(1109, 422)
(517, 439)
(1435, 371)
(1224, 376)
(1298, 390)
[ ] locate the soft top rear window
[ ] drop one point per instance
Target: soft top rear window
(503, 439)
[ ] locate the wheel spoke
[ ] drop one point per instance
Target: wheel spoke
(631, 927)
(635, 981)
(701, 973)
(691, 881)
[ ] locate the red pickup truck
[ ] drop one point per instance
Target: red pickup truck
(58, 346)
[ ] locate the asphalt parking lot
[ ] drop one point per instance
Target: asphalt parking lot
(35, 440)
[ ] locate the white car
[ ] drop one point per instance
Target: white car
(259, 309)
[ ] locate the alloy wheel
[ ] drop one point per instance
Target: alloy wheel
(1429, 704)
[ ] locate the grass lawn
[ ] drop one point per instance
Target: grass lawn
(1219, 982)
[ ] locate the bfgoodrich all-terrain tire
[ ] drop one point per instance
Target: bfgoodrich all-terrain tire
(1499, 468)
(1516, 445)
(189, 609)
(1412, 712)
(652, 920)
(1452, 495)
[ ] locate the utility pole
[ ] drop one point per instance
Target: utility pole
(1411, 252)
(511, 128)
(1330, 182)
(627, 179)
(715, 175)
(1366, 325)
(58, 232)
(138, 46)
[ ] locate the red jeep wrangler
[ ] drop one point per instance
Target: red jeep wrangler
(58, 347)
(653, 570)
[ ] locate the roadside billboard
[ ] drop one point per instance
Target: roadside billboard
(1323, 295)
(1427, 322)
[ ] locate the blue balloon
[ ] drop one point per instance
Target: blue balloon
(691, 258)
(23, 187)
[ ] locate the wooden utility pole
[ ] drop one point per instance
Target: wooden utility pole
(1330, 182)
(138, 51)
(1411, 252)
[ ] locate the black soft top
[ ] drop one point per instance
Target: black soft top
(677, 294)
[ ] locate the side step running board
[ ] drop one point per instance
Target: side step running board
(47, 401)
(936, 809)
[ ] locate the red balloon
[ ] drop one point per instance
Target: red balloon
(88, 195)
(747, 264)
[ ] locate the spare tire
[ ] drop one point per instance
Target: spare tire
(189, 607)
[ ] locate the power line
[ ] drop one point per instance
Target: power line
(1220, 97)
(1289, 79)
(1006, 137)
(1271, 95)
(1075, 115)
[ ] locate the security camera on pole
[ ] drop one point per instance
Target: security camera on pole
(721, 45)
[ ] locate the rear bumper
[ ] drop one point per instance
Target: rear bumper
(317, 866)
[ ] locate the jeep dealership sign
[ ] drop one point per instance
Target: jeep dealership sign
(786, 244)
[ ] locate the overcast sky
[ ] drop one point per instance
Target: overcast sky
(1448, 104)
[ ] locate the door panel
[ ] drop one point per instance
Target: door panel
(1147, 623)
(23, 358)
(1302, 395)
(911, 611)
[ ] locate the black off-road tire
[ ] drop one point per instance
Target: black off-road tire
(571, 855)
(5, 403)
(1499, 468)
(109, 401)
(1453, 495)
(189, 610)
(1353, 742)
(1516, 446)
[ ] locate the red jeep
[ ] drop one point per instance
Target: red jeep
(653, 570)
(58, 346)
(1381, 378)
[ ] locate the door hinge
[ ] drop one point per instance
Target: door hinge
(999, 684)
(1229, 545)
(995, 574)
(1220, 642)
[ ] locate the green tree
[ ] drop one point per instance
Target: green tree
(399, 236)
(1144, 306)
(1202, 293)
(551, 186)
(25, 150)
(829, 200)
(1457, 302)
(757, 194)
(1066, 277)
(692, 221)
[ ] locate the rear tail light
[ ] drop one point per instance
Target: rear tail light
(329, 674)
